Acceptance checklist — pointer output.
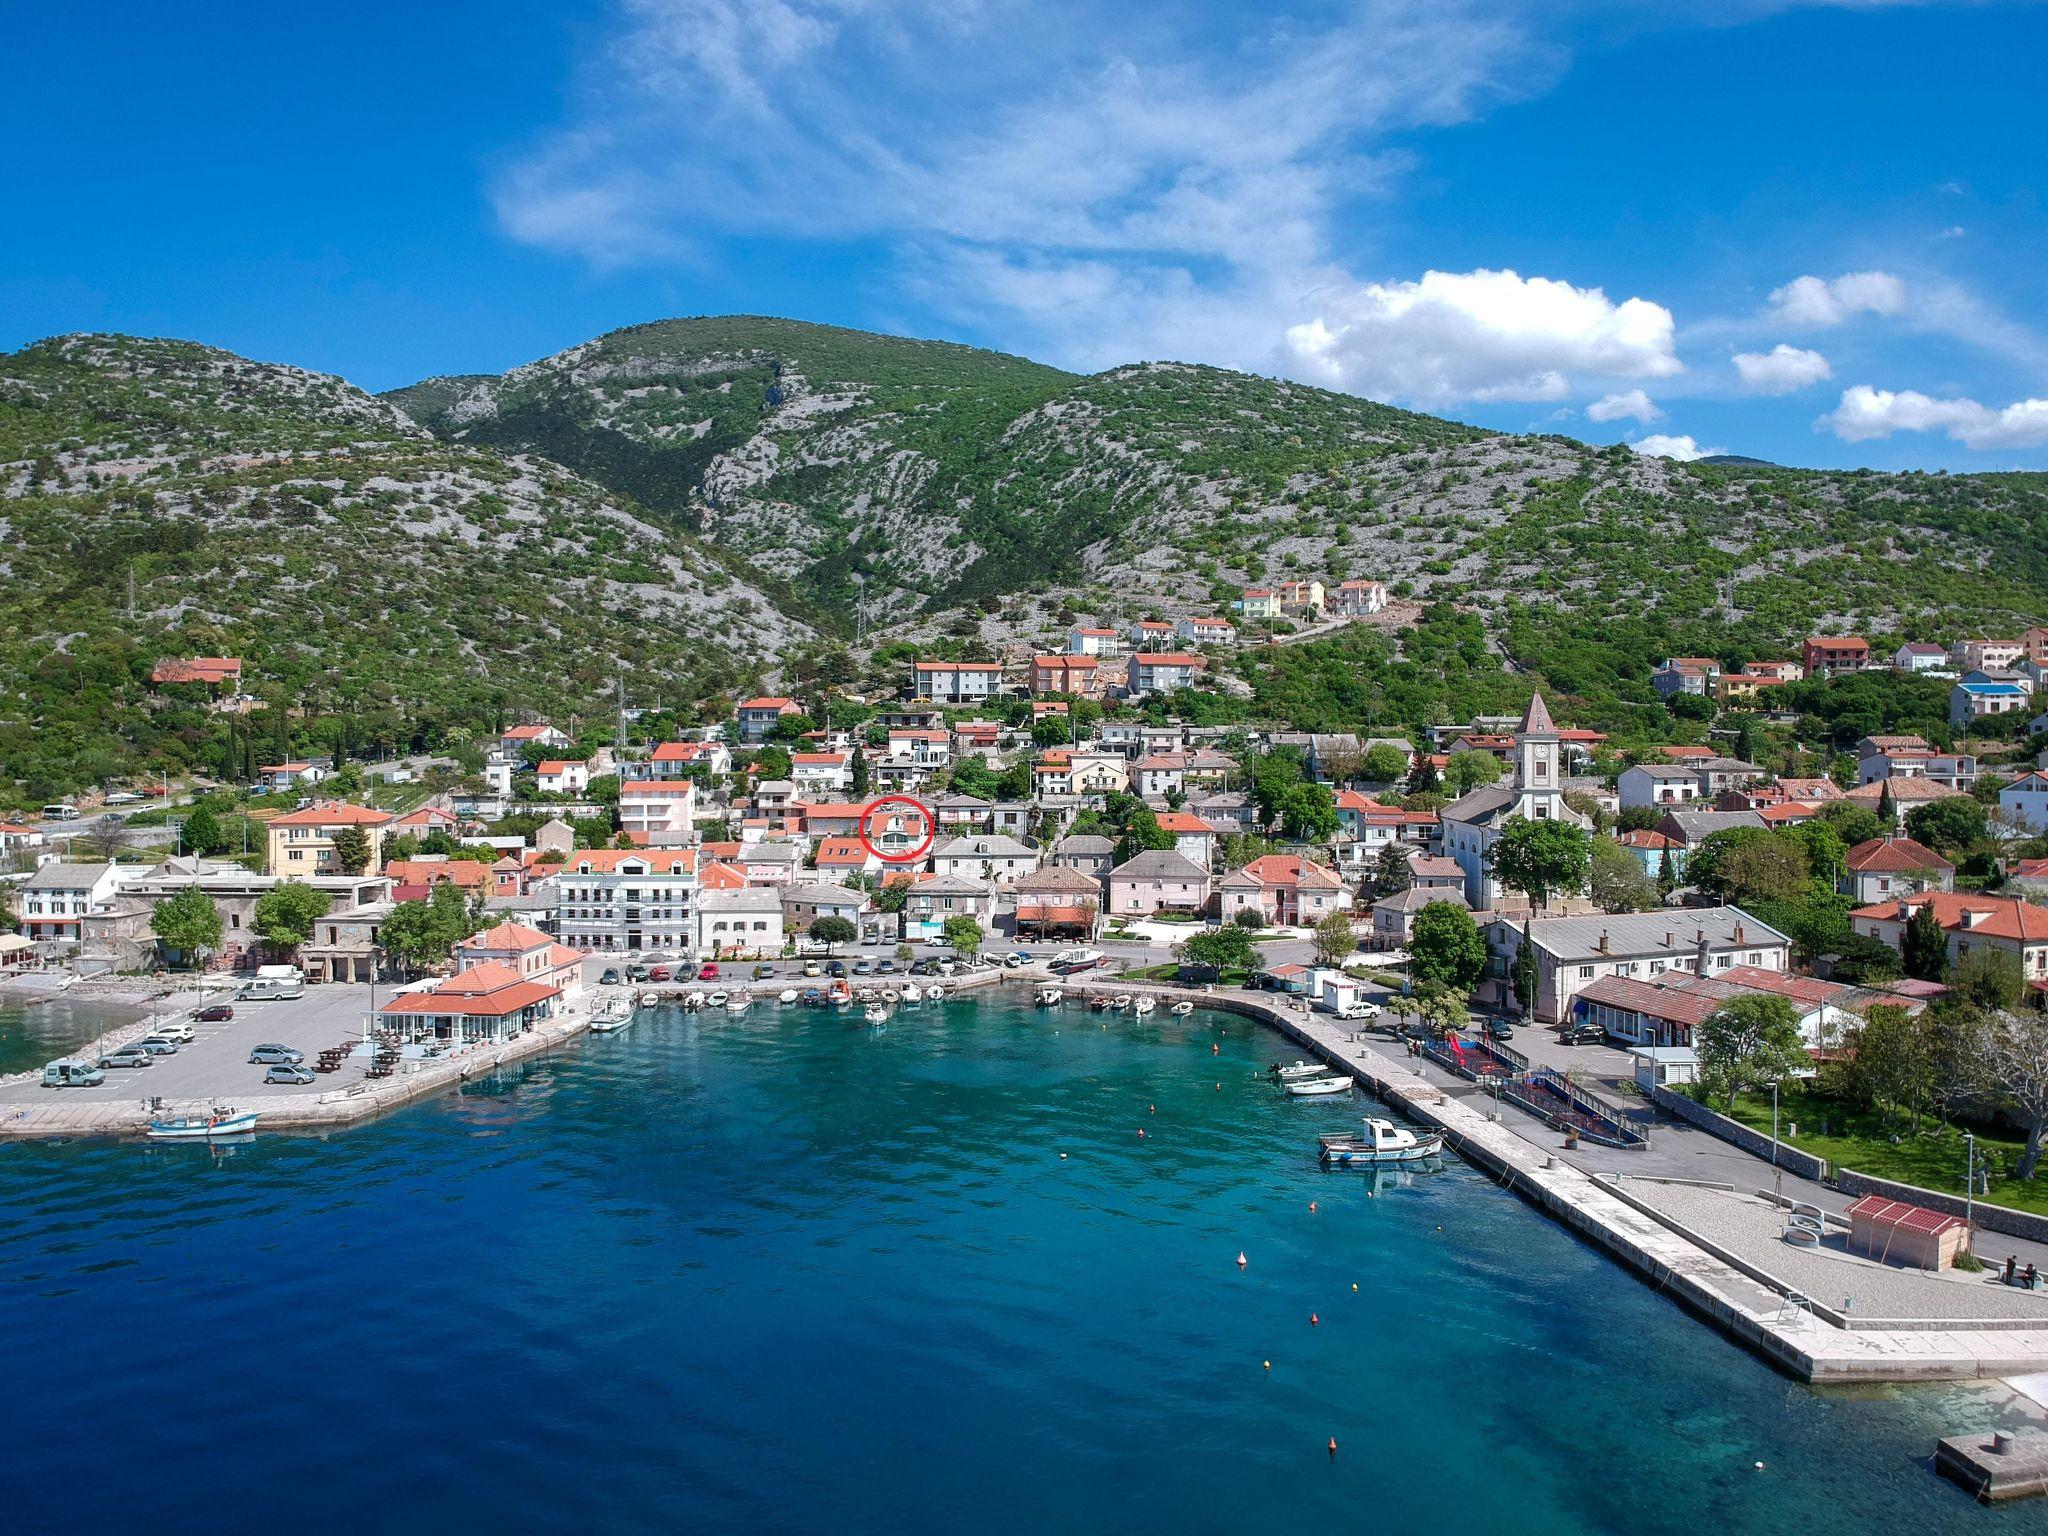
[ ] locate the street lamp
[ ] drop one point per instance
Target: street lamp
(1777, 1173)
(1970, 1182)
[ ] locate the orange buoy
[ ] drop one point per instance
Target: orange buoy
(1240, 1258)
(1141, 1133)
(1311, 1206)
(1333, 1447)
(1215, 1050)
(1313, 1320)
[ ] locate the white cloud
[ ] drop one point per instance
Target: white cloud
(1866, 413)
(1781, 370)
(1817, 303)
(1631, 404)
(1478, 336)
(1659, 445)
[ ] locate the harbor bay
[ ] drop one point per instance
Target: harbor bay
(784, 1272)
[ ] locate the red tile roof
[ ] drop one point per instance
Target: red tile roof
(332, 813)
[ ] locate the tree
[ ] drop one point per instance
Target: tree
(285, 914)
(1617, 880)
(1143, 835)
(1863, 961)
(1425, 780)
(1334, 939)
(1748, 1042)
(1924, 947)
(1948, 825)
(1853, 823)
(352, 850)
(1442, 1009)
(860, 774)
(2016, 1050)
(1309, 812)
(1391, 872)
(963, 934)
(202, 832)
(771, 762)
(1250, 919)
(830, 930)
(1890, 1066)
(1990, 979)
(188, 922)
(1887, 808)
(1384, 763)
(1446, 948)
(1470, 769)
(423, 933)
(1224, 949)
(1769, 868)
(1539, 857)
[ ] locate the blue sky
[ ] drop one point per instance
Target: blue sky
(1807, 231)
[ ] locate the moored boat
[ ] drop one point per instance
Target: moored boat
(1298, 1069)
(715, 1000)
(1143, 1005)
(786, 996)
(1098, 1002)
(1318, 1087)
(739, 1002)
(612, 1017)
(1050, 997)
(649, 999)
(934, 993)
(1181, 1009)
(912, 994)
(876, 1013)
(1381, 1141)
(217, 1122)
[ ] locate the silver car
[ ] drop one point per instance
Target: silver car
(129, 1056)
(287, 1072)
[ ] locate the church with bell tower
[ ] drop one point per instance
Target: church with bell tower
(1472, 823)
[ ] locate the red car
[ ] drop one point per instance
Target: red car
(659, 973)
(218, 1013)
(709, 973)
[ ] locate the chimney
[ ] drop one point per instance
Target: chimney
(1603, 941)
(1738, 933)
(1670, 939)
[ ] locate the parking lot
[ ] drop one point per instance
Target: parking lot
(216, 1062)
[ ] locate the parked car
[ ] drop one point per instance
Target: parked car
(1015, 958)
(658, 973)
(609, 979)
(177, 1030)
(863, 967)
(266, 1055)
(636, 973)
(871, 938)
(214, 1013)
(1584, 1034)
(835, 967)
(763, 971)
(884, 967)
(129, 1056)
(287, 1072)
(1498, 1029)
(924, 967)
(708, 973)
(812, 968)
(156, 1045)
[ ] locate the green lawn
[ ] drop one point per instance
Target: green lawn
(1933, 1159)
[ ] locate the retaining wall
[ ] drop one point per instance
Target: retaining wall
(1805, 1164)
(1993, 1218)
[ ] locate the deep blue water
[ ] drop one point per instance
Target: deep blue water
(789, 1275)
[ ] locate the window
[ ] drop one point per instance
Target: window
(1585, 973)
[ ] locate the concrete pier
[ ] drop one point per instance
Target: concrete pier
(1996, 1467)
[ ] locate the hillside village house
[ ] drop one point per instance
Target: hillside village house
(1666, 1011)
(1094, 642)
(2025, 799)
(1098, 773)
(1657, 784)
(623, 900)
(1287, 891)
(1746, 687)
(1357, 599)
(1825, 656)
(656, 809)
(1300, 599)
(1971, 655)
(514, 740)
(1259, 603)
(1150, 634)
(528, 951)
(207, 671)
(1393, 917)
(1910, 757)
(992, 858)
(803, 905)
(560, 776)
(302, 842)
(1971, 921)
(1891, 866)
(1086, 854)
(1979, 699)
(926, 748)
(283, 778)
(1696, 675)
(670, 759)
(1209, 631)
(757, 718)
(821, 772)
(1193, 838)
(1062, 674)
(1574, 952)
(1058, 900)
(739, 920)
(956, 682)
(1159, 881)
(1473, 822)
(1905, 793)
(1920, 656)
(1161, 774)
(1164, 671)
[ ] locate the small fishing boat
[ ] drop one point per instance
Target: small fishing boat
(1382, 1141)
(934, 993)
(1299, 1069)
(739, 1002)
(715, 1000)
(911, 994)
(1098, 1002)
(786, 996)
(891, 995)
(1119, 1005)
(1050, 997)
(1181, 1009)
(876, 1013)
(612, 1017)
(693, 1001)
(215, 1123)
(649, 999)
(1143, 1005)
(1318, 1087)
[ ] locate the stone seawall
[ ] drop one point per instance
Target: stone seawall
(1992, 1218)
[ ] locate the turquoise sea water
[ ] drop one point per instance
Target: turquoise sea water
(787, 1274)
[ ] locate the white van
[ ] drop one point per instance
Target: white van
(60, 813)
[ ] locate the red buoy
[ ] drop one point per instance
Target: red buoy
(1333, 1447)
(1313, 1320)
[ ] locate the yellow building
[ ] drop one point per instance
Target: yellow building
(302, 842)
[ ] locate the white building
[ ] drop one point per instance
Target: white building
(1657, 784)
(1574, 952)
(658, 807)
(991, 858)
(1164, 671)
(742, 921)
(2026, 798)
(627, 899)
(956, 682)
(1472, 823)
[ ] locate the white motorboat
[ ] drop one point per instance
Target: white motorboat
(649, 999)
(786, 996)
(1318, 1087)
(739, 1002)
(693, 1001)
(876, 1013)
(1298, 1069)
(612, 1017)
(1142, 1005)
(1382, 1141)
(911, 994)
(715, 1000)
(1051, 997)
(935, 993)
(218, 1122)
(1119, 1005)
(1181, 1009)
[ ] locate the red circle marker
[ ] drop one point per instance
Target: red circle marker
(931, 822)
